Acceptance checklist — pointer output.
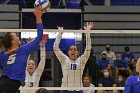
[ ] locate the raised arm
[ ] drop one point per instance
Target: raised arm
(41, 65)
(87, 51)
(38, 14)
(59, 54)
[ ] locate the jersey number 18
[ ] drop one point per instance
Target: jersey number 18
(73, 67)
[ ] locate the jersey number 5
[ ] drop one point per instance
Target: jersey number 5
(11, 59)
(73, 66)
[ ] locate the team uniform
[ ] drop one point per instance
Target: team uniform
(72, 70)
(132, 85)
(90, 91)
(14, 63)
(33, 81)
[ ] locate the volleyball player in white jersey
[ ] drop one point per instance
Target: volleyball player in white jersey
(33, 74)
(87, 83)
(72, 65)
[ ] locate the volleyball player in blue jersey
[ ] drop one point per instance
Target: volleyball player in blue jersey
(133, 83)
(14, 58)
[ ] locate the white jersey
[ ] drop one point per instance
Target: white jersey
(33, 81)
(72, 70)
(90, 91)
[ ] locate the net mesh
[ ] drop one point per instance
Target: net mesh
(52, 76)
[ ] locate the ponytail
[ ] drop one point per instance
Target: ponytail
(7, 40)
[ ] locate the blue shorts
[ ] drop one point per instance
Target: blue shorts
(68, 91)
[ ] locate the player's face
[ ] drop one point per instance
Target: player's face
(31, 66)
(86, 81)
(15, 40)
(73, 52)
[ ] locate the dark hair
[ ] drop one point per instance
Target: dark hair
(42, 90)
(6, 40)
(86, 75)
(126, 49)
(73, 45)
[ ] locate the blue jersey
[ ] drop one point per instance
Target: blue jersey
(103, 63)
(132, 85)
(120, 64)
(14, 64)
(128, 57)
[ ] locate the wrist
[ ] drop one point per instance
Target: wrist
(38, 20)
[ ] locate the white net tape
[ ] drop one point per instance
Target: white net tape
(75, 31)
(73, 88)
(84, 89)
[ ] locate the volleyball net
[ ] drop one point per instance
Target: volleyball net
(118, 39)
(57, 89)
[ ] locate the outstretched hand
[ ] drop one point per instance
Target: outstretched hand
(42, 43)
(38, 13)
(88, 26)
